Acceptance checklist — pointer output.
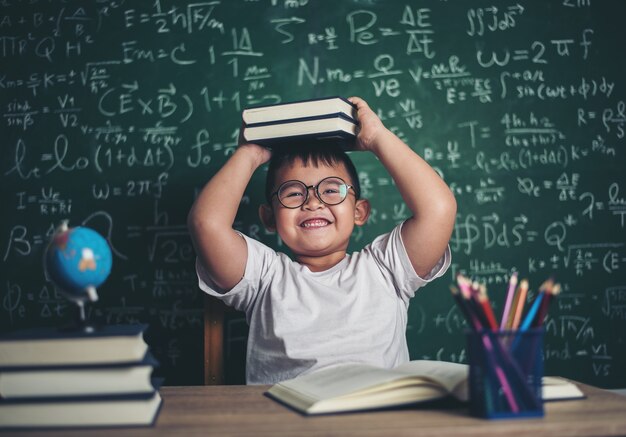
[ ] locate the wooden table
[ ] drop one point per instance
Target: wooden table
(244, 410)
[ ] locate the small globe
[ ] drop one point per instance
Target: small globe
(78, 260)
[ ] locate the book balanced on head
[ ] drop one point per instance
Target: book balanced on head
(315, 119)
(351, 387)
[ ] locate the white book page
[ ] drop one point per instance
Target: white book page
(341, 380)
(350, 378)
(448, 374)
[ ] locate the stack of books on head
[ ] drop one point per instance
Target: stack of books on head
(328, 118)
(76, 378)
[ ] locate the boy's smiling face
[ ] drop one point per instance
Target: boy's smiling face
(317, 234)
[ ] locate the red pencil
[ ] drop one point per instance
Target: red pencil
(551, 289)
(484, 302)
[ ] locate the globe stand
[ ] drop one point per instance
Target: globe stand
(81, 324)
(80, 321)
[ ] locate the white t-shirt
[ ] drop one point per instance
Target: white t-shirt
(301, 321)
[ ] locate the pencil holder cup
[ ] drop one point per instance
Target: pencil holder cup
(505, 374)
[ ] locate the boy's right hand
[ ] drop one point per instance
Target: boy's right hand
(260, 153)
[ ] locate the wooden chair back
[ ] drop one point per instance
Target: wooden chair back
(214, 311)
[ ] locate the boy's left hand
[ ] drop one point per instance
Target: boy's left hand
(370, 126)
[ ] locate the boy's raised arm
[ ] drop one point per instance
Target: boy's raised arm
(427, 232)
(222, 251)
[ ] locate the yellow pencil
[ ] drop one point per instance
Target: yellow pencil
(519, 307)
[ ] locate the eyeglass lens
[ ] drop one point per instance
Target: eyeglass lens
(331, 191)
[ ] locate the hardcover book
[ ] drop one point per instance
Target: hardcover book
(108, 344)
(139, 409)
(78, 379)
(336, 127)
(299, 109)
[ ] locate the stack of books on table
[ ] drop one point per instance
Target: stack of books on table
(327, 118)
(77, 378)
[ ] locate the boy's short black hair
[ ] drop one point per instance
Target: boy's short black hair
(316, 154)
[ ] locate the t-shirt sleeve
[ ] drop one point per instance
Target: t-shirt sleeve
(390, 253)
(243, 295)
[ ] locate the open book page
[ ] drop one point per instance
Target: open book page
(556, 388)
(341, 380)
(351, 387)
(452, 376)
(351, 378)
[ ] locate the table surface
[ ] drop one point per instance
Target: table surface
(245, 410)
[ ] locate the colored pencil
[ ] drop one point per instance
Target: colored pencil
(484, 301)
(520, 298)
(551, 290)
(532, 312)
(465, 285)
(509, 320)
(544, 288)
(509, 299)
(467, 313)
(469, 294)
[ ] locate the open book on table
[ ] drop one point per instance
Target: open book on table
(352, 387)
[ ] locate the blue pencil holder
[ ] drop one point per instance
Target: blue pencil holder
(505, 373)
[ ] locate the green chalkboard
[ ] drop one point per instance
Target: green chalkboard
(115, 114)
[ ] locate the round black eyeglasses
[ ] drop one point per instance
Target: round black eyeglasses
(293, 193)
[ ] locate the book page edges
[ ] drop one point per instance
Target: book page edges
(103, 350)
(284, 111)
(76, 382)
(116, 413)
(310, 127)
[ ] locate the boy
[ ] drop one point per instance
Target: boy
(325, 307)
